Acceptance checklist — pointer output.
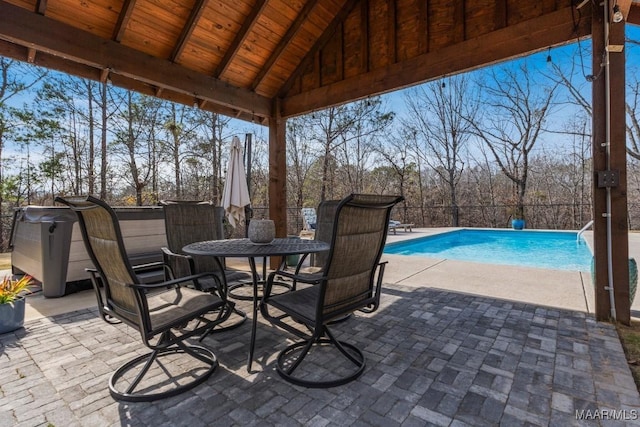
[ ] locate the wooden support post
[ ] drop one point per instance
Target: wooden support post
(616, 163)
(278, 175)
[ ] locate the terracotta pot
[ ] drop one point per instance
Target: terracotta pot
(12, 315)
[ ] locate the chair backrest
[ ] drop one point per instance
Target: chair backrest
(324, 229)
(357, 242)
(103, 240)
(189, 222)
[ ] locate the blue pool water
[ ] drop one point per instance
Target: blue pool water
(543, 249)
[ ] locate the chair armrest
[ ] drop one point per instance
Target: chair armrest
(149, 265)
(295, 278)
(177, 265)
(378, 289)
(172, 282)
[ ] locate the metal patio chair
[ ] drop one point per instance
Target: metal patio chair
(351, 280)
(188, 222)
(324, 230)
(165, 314)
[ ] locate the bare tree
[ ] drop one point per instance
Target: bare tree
(440, 116)
(208, 147)
(180, 127)
(300, 160)
(335, 129)
(516, 108)
(137, 122)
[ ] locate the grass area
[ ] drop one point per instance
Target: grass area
(630, 337)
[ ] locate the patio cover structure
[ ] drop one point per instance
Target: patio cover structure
(267, 60)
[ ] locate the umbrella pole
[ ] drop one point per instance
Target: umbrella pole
(248, 212)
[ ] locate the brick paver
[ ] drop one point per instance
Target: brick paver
(434, 358)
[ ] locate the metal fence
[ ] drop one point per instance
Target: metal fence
(547, 216)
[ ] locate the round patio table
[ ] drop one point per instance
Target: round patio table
(244, 248)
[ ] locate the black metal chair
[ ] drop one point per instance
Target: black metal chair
(188, 222)
(323, 232)
(164, 313)
(351, 280)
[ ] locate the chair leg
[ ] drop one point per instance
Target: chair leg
(352, 353)
(202, 354)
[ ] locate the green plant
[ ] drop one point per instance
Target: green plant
(10, 289)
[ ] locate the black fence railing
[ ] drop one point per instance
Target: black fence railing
(539, 216)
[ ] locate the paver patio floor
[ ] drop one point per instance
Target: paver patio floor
(435, 357)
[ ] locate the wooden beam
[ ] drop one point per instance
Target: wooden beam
(31, 55)
(52, 62)
(41, 7)
(278, 176)
(634, 14)
(500, 15)
(284, 42)
(104, 75)
(423, 27)
(599, 162)
(460, 22)
(123, 19)
(618, 163)
(187, 30)
(625, 7)
(319, 44)
(392, 28)
(240, 37)
(510, 42)
(364, 38)
(614, 160)
(47, 35)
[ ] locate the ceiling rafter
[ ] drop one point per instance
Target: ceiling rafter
(364, 30)
(423, 26)
(284, 42)
(459, 16)
(53, 37)
(319, 44)
(123, 19)
(634, 14)
(391, 30)
(242, 34)
(500, 14)
(188, 28)
(41, 7)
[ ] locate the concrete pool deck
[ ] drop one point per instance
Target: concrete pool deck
(571, 290)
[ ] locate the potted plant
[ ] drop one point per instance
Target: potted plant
(12, 302)
(517, 223)
(517, 218)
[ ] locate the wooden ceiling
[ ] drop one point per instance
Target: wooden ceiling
(236, 57)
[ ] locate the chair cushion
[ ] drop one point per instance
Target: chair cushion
(177, 306)
(300, 304)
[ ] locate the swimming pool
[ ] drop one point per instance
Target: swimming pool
(557, 250)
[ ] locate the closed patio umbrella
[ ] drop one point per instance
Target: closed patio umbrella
(236, 193)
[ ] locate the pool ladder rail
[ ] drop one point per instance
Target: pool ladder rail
(582, 230)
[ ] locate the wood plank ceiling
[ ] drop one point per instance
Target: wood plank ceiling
(236, 57)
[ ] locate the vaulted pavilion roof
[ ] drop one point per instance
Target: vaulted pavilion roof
(236, 56)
